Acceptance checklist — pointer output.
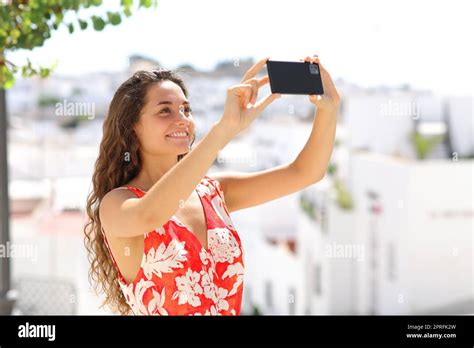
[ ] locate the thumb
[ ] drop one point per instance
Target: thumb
(315, 99)
(262, 104)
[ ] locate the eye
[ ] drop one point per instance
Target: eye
(186, 109)
(165, 110)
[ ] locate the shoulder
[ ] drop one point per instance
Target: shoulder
(113, 200)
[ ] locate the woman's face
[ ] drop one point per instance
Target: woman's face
(164, 117)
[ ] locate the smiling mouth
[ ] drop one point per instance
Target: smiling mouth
(178, 135)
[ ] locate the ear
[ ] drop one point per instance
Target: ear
(136, 128)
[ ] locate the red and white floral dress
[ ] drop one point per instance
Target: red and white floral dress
(178, 275)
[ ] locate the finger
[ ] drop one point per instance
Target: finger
(326, 77)
(255, 69)
(315, 99)
(262, 104)
(247, 95)
(242, 92)
(254, 84)
(261, 81)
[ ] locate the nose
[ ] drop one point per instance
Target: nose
(183, 119)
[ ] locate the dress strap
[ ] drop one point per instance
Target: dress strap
(139, 193)
(217, 186)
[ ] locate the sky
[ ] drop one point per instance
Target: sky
(427, 44)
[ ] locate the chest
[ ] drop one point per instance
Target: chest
(191, 214)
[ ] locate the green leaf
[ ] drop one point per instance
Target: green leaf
(145, 3)
(82, 24)
(7, 79)
(70, 27)
(127, 12)
(98, 23)
(15, 33)
(126, 3)
(114, 18)
(44, 72)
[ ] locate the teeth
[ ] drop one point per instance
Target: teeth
(178, 134)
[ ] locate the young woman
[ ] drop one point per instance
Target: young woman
(159, 236)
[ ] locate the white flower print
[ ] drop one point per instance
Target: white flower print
(135, 297)
(157, 302)
(236, 269)
(205, 259)
(159, 230)
(223, 245)
(208, 285)
(213, 292)
(218, 206)
(203, 190)
(164, 259)
(214, 311)
(188, 287)
(220, 301)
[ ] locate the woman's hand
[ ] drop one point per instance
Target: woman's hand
(241, 106)
(331, 99)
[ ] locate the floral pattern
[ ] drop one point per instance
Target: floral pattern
(178, 276)
(223, 245)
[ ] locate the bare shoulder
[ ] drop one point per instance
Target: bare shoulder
(110, 205)
(116, 196)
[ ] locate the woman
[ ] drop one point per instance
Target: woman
(159, 236)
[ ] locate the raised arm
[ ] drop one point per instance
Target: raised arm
(244, 190)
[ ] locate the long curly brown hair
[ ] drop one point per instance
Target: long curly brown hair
(119, 162)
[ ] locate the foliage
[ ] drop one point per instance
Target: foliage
(308, 206)
(27, 24)
(344, 197)
(424, 145)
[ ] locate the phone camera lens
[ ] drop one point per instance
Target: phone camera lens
(313, 69)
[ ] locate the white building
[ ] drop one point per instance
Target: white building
(415, 219)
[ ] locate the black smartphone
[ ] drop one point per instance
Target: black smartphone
(294, 77)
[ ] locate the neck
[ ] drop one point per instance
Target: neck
(153, 168)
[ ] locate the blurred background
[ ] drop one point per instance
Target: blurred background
(389, 230)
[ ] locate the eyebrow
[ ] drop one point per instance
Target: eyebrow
(186, 102)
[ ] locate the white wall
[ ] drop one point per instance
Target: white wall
(462, 125)
(432, 255)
